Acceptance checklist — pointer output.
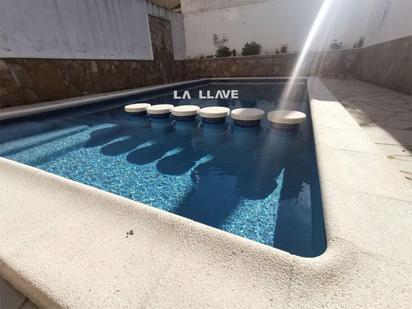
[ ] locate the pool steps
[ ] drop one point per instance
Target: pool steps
(185, 112)
(159, 111)
(214, 114)
(247, 117)
(286, 119)
(137, 109)
(242, 117)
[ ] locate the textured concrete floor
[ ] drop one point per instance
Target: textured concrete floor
(11, 299)
(385, 115)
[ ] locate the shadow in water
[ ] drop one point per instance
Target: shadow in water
(103, 136)
(299, 228)
(162, 140)
(230, 176)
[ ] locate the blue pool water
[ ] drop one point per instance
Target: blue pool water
(260, 183)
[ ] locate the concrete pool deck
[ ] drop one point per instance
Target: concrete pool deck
(384, 114)
(10, 298)
(64, 244)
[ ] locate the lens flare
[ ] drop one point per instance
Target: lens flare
(287, 93)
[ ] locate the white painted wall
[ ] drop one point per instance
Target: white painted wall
(197, 6)
(107, 29)
(389, 20)
(83, 29)
(101, 29)
(275, 22)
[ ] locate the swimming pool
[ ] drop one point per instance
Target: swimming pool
(261, 183)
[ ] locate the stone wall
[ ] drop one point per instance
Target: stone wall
(330, 63)
(339, 63)
(387, 64)
(28, 81)
(250, 66)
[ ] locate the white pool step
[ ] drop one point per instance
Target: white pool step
(185, 112)
(286, 119)
(159, 110)
(247, 117)
(137, 109)
(214, 114)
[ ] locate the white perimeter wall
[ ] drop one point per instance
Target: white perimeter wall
(82, 29)
(389, 20)
(272, 23)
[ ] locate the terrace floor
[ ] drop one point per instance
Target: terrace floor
(11, 299)
(384, 114)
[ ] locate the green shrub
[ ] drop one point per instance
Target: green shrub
(223, 51)
(251, 48)
(360, 42)
(335, 45)
(221, 46)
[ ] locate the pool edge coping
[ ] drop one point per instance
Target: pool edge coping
(49, 106)
(324, 105)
